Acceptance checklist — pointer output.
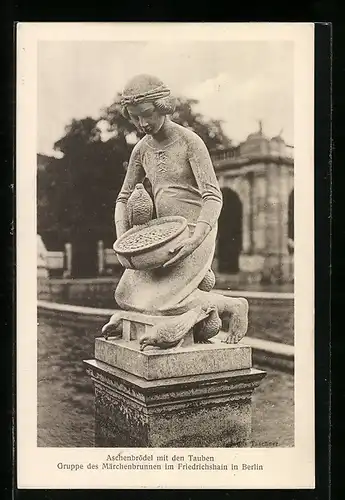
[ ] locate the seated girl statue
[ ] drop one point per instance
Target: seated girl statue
(178, 166)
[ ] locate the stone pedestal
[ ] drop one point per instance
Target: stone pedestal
(197, 395)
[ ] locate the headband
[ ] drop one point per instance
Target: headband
(150, 95)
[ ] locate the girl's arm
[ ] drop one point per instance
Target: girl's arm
(135, 174)
(212, 198)
(206, 179)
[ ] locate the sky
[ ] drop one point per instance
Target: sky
(235, 81)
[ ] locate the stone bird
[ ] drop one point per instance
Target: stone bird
(208, 282)
(113, 327)
(139, 206)
(170, 332)
(209, 327)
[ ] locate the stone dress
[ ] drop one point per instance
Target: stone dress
(183, 183)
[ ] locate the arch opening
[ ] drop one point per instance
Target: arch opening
(230, 233)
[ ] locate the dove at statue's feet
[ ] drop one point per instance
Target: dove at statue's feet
(238, 324)
(170, 332)
(209, 327)
(113, 327)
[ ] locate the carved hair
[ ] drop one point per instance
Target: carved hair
(147, 88)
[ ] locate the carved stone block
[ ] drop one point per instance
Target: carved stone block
(209, 410)
(183, 361)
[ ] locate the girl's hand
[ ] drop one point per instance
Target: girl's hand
(184, 248)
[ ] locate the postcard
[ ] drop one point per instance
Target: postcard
(165, 260)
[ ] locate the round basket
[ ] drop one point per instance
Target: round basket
(147, 246)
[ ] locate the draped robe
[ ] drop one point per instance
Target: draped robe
(183, 183)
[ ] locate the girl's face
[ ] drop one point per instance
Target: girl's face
(146, 118)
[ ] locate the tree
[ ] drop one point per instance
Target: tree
(209, 130)
(76, 194)
(117, 123)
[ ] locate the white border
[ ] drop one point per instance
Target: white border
(283, 468)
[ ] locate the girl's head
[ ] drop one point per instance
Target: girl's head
(146, 101)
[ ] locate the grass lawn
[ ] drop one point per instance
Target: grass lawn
(271, 319)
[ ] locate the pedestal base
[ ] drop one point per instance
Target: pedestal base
(194, 396)
(194, 411)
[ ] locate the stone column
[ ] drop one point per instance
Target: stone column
(259, 213)
(244, 189)
(43, 288)
(100, 257)
(286, 262)
(198, 395)
(273, 267)
(251, 262)
(286, 177)
(68, 253)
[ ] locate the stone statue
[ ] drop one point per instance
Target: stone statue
(178, 166)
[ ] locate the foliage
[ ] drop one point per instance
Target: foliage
(210, 131)
(76, 193)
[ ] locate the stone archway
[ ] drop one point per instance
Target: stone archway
(230, 233)
(291, 223)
